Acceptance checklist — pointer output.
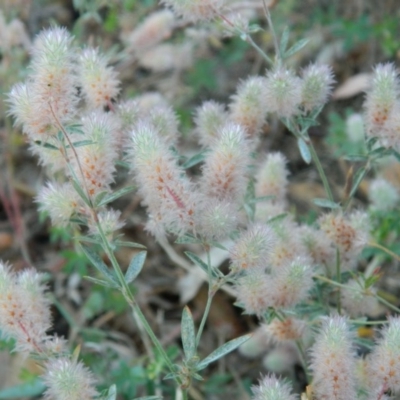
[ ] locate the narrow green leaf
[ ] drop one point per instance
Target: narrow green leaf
(356, 157)
(116, 195)
(197, 260)
(112, 393)
(98, 263)
(284, 40)
(46, 145)
(196, 159)
(80, 191)
(148, 398)
(27, 389)
(123, 164)
(222, 351)
(81, 143)
(101, 282)
(371, 143)
(135, 266)
(122, 243)
(88, 239)
(186, 239)
(75, 128)
(262, 199)
(295, 48)
(188, 334)
(276, 218)
(99, 198)
(326, 203)
(304, 150)
(359, 176)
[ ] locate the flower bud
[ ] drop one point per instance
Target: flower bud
(355, 128)
(60, 201)
(249, 105)
(283, 92)
(317, 86)
(271, 388)
(68, 380)
(383, 195)
(209, 119)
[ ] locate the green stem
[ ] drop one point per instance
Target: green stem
(131, 300)
(379, 298)
(303, 359)
(387, 304)
(384, 249)
(211, 292)
(321, 172)
(338, 278)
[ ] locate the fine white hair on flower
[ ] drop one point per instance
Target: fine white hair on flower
(60, 201)
(68, 380)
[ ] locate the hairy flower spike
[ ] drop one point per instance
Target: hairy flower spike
(271, 179)
(286, 330)
(98, 81)
(355, 128)
(333, 361)
(24, 310)
(381, 99)
(252, 249)
(349, 233)
(272, 388)
(291, 283)
(165, 189)
(216, 219)
(224, 172)
(97, 159)
(210, 118)
(196, 10)
(249, 105)
(383, 367)
(53, 81)
(317, 86)
(153, 30)
(383, 195)
(59, 200)
(283, 92)
(68, 380)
